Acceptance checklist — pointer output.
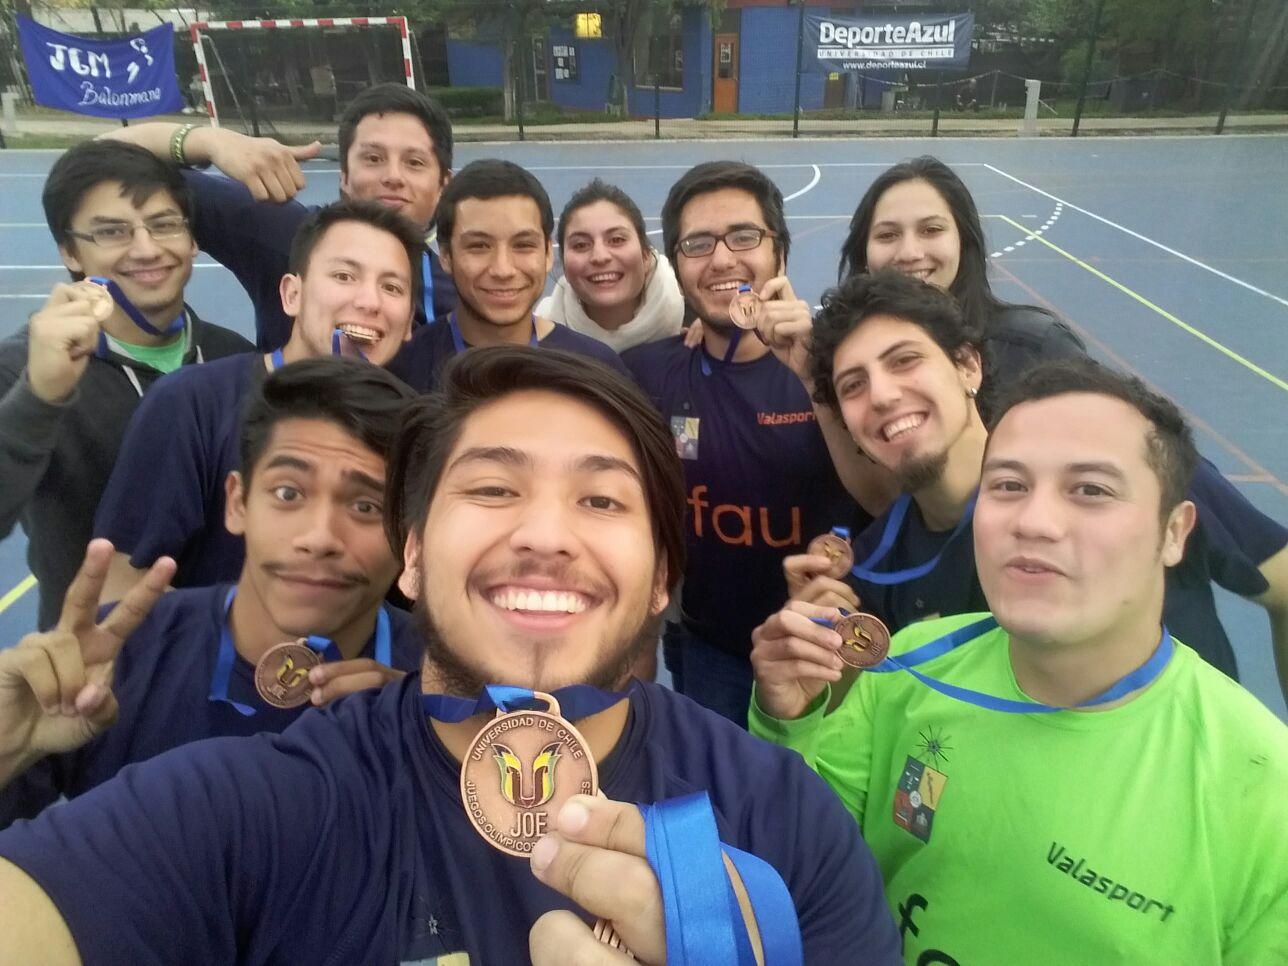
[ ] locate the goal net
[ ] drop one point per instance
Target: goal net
(268, 77)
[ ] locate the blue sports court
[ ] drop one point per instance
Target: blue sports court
(1169, 256)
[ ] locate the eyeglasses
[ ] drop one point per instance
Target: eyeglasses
(122, 235)
(737, 240)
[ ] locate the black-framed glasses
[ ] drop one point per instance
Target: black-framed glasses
(736, 240)
(121, 235)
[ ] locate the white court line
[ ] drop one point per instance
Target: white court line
(796, 194)
(1135, 234)
(24, 296)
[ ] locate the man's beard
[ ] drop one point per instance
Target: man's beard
(458, 676)
(918, 472)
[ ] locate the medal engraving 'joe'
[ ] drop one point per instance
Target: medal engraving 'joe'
(282, 674)
(835, 549)
(865, 640)
(519, 770)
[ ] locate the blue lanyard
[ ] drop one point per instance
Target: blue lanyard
(704, 923)
(728, 356)
(577, 701)
(277, 360)
(1139, 678)
(324, 646)
(894, 523)
(427, 286)
(129, 308)
(459, 343)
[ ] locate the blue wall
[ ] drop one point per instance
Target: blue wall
(471, 64)
(595, 65)
(767, 63)
(474, 65)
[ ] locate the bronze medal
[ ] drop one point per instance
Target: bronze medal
(101, 301)
(745, 309)
(282, 674)
(865, 640)
(837, 550)
(519, 770)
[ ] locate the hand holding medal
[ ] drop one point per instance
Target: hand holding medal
(63, 335)
(803, 648)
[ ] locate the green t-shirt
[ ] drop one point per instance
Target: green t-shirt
(1154, 832)
(162, 358)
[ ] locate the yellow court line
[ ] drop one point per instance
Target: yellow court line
(12, 596)
(1197, 333)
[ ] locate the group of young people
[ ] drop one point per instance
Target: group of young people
(992, 717)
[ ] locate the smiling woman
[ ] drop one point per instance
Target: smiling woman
(614, 288)
(919, 217)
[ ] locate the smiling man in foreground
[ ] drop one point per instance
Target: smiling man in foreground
(538, 506)
(1061, 782)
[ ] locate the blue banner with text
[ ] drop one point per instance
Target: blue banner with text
(122, 78)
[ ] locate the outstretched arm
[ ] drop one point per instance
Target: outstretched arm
(270, 169)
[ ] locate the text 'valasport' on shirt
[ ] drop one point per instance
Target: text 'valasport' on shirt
(420, 362)
(760, 481)
(1149, 833)
(166, 495)
(343, 841)
(1230, 541)
(163, 683)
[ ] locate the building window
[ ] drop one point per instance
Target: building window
(660, 53)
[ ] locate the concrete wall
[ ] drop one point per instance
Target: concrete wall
(474, 65)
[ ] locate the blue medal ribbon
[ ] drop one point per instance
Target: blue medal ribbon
(427, 286)
(577, 701)
(129, 308)
(322, 645)
(734, 339)
(277, 360)
(894, 523)
(337, 346)
(458, 342)
(1144, 675)
(704, 924)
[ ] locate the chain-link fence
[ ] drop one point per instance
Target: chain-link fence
(550, 69)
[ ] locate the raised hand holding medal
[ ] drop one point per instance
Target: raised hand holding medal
(523, 767)
(520, 769)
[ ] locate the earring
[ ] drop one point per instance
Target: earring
(972, 391)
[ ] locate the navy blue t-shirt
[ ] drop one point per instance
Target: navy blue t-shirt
(252, 239)
(344, 841)
(162, 684)
(1230, 541)
(420, 362)
(760, 481)
(166, 493)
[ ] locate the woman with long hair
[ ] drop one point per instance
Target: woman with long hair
(614, 287)
(919, 217)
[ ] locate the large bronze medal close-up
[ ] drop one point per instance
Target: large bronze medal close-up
(519, 770)
(865, 640)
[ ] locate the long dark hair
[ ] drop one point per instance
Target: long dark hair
(970, 287)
